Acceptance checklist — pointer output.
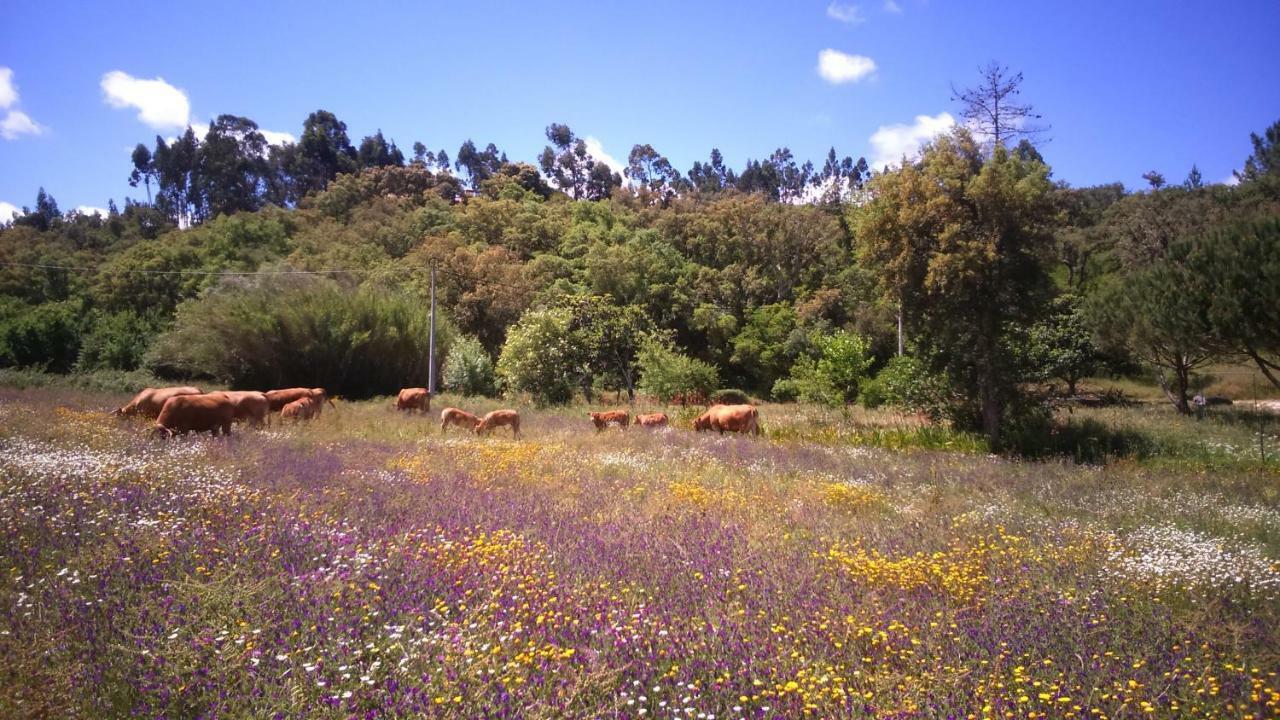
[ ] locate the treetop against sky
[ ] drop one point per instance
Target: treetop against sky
(1125, 87)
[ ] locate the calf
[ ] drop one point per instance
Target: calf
(498, 418)
(461, 418)
(411, 399)
(603, 419)
(182, 414)
(300, 409)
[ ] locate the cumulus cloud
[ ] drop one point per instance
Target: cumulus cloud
(597, 151)
(8, 91)
(890, 143)
(891, 6)
(18, 123)
(845, 13)
(90, 210)
(15, 123)
(277, 138)
(838, 68)
(1231, 180)
(7, 211)
(159, 104)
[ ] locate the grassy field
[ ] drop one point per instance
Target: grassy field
(858, 564)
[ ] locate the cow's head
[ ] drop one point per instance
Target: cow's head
(162, 433)
(701, 423)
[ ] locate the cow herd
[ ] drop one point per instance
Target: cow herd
(180, 410)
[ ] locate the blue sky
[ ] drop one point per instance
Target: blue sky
(1127, 86)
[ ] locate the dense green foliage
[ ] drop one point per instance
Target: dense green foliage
(468, 369)
(670, 375)
(744, 274)
(309, 332)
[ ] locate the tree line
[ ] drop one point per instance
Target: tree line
(781, 280)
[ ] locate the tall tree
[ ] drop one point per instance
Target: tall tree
(653, 173)
(45, 215)
(143, 169)
(232, 166)
(958, 240)
(375, 151)
(480, 165)
(991, 108)
(573, 169)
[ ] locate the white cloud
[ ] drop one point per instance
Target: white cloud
(15, 123)
(159, 104)
(90, 210)
(891, 6)
(7, 211)
(277, 138)
(889, 143)
(18, 123)
(845, 13)
(1231, 180)
(838, 68)
(597, 151)
(8, 91)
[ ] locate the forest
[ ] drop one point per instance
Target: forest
(310, 263)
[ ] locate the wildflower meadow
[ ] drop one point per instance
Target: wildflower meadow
(369, 566)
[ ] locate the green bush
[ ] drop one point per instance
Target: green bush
(45, 336)
(541, 358)
(667, 374)
(115, 341)
(833, 378)
(906, 383)
(301, 332)
(468, 370)
(730, 396)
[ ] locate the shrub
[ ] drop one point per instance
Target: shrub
(667, 373)
(730, 396)
(45, 336)
(115, 341)
(540, 357)
(834, 377)
(468, 369)
(308, 332)
(905, 383)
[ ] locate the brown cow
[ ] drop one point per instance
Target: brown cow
(301, 409)
(150, 401)
(280, 398)
(731, 418)
(461, 418)
(182, 414)
(653, 420)
(602, 419)
(411, 399)
(251, 405)
(498, 418)
(322, 396)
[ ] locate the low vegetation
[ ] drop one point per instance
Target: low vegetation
(365, 562)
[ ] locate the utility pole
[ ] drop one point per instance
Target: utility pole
(431, 341)
(899, 329)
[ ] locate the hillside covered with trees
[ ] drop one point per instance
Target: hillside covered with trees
(310, 263)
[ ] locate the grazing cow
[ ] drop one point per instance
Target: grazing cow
(653, 420)
(498, 418)
(150, 401)
(322, 396)
(602, 419)
(411, 399)
(461, 418)
(280, 398)
(251, 405)
(301, 409)
(182, 414)
(731, 418)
